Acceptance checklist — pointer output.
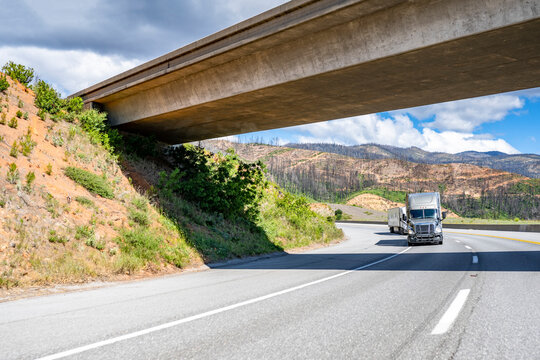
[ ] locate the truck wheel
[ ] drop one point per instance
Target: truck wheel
(409, 241)
(392, 229)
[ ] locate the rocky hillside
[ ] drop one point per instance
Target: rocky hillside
(523, 164)
(395, 174)
(54, 230)
(80, 202)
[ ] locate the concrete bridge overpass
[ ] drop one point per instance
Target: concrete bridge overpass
(308, 61)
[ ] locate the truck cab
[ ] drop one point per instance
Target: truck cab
(424, 218)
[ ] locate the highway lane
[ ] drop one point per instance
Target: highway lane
(307, 305)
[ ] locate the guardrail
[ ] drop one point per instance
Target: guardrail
(496, 227)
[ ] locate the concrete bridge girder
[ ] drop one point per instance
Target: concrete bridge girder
(387, 55)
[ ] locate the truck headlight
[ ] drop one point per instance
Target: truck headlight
(411, 231)
(438, 229)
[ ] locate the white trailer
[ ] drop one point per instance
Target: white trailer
(397, 220)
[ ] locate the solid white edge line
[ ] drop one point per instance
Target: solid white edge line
(452, 313)
(468, 247)
(475, 259)
(206, 314)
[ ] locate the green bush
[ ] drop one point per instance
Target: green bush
(139, 217)
(19, 114)
(27, 144)
(141, 243)
(74, 105)
(48, 169)
(84, 232)
(13, 123)
(95, 124)
(54, 237)
(289, 222)
(19, 72)
(20, 104)
(90, 181)
(57, 139)
(4, 83)
(217, 183)
(42, 114)
(13, 174)
(30, 177)
(14, 151)
(93, 121)
(47, 98)
(140, 203)
(3, 120)
(98, 245)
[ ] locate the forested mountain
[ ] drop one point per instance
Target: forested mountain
(523, 164)
(467, 189)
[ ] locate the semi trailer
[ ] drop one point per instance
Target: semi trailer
(397, 220)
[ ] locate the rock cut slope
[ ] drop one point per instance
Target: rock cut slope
(80, 201)
(52, 229)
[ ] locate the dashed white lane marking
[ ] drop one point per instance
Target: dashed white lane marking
(475, 259)
(458, 241)
(452, 313)
(468, 247)
(135, 334)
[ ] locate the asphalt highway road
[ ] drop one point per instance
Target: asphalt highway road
(370, 297)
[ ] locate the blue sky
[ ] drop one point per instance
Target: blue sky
(73, 45)
(508, 122)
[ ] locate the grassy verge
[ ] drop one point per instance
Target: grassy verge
(392, 195)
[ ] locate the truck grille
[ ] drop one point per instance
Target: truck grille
(425, 229)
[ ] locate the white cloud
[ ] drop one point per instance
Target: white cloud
(398, 131)
(466, 115)
(72, 49)
(454, 142)
(67, 70)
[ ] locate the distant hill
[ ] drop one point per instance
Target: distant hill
(523, 164)
(469, 190)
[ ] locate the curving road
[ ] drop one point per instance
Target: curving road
(475, 297)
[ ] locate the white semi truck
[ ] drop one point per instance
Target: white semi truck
(424, 218)
(397, 220)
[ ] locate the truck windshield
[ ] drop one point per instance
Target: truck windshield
(424, 214)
